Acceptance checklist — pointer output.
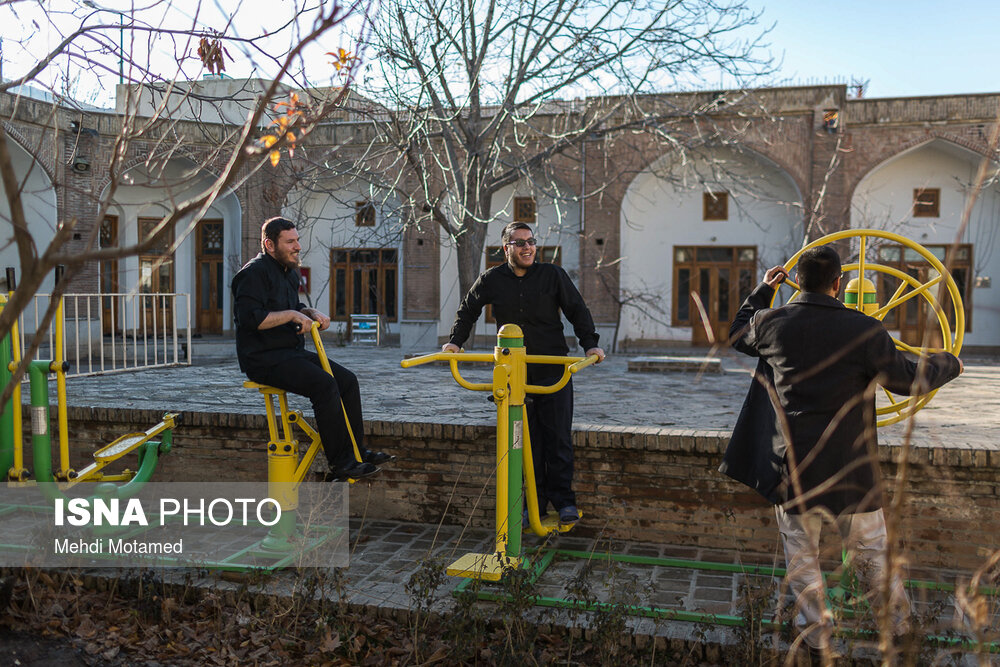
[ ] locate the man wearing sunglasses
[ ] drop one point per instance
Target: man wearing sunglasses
(531, 295)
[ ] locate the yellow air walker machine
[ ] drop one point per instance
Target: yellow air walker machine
(509, 388)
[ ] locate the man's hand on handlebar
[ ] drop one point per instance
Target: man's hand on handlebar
(775, 276)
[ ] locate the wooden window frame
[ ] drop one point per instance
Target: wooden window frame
(520, 215)
(711, 203)
(694, 264)
(364, 213)
(891, 319)
(924, 209)
(381, 266)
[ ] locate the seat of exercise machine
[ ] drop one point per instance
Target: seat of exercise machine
(264, 388)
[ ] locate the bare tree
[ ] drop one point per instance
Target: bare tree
(468, 95)
(159, 118)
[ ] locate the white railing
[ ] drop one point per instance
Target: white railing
(107, 333)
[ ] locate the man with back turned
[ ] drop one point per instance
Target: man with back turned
(806, 436)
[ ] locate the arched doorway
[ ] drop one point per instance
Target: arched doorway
(695, 230)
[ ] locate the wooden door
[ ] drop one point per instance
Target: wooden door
(915, 320)
(209, 284)
(715, 289)
(716, 278)
(156, 277)
(110, 305)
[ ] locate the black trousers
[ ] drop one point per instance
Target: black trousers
(550, 424)
(305, 376)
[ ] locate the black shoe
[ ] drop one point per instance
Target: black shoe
(377, 458)
(569, 515)
(352, 470)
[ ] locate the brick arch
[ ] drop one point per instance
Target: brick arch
(22, 142)
(877, 159)
(737, 146)
(786, 169)
(182, 152)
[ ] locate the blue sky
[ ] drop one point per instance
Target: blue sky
(921, 47)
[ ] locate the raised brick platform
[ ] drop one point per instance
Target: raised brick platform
(675, 364)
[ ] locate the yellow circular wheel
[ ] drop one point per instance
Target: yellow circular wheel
(917, 280)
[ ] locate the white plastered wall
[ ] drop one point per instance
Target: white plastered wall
(662, 208)
(557, 224)
(144, 195)
(884, 200)
(38, 198)
(325, 218)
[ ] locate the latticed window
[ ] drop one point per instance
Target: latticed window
(109, 232)
(524, 209)
(363, 282)
(715, 206)
(211, 238)
(927, 203)
(364, 214)
(161, 245)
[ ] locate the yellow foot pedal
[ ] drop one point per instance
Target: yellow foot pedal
(120, 447)
(551, 524)
(564, 527)
(482, 566)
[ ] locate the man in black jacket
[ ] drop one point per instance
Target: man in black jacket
(270, 346)
(530, 294)
(806, 437)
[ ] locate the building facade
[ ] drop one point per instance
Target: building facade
(664, 244)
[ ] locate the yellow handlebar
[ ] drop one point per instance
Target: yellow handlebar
(320, 350)
(446, 356)
(572, 366)
(453, 358)
(583, 363)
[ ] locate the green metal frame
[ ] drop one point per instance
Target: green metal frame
(545, 557)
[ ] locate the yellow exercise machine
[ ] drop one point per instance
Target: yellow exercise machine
(860, 294)
(509, 387)
(285, 470)
(12, 441)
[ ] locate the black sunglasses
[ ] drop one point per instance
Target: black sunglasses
(520, 243)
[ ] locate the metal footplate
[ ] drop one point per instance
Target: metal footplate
(551, 524)
(120, 447)
(489, 567)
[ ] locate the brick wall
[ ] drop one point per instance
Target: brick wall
(644, 484)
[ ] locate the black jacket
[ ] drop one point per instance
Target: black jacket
(532, 302)
(822, 360)
(263, 286)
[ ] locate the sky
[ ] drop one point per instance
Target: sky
(901, 49)
(920, 47)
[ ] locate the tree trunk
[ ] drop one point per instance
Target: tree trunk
(470, 253)
(472, 238)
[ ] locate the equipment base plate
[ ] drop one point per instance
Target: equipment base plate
(482, 566)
